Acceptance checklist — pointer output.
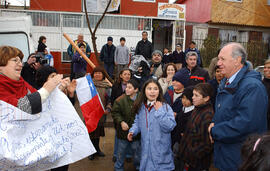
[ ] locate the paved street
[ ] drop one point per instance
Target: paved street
(101, 163)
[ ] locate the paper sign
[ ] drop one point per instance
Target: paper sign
(52, 138)
(171, 11)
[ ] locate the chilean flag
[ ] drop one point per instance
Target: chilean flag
(91, 105)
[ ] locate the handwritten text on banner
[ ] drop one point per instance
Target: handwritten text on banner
(53, 138)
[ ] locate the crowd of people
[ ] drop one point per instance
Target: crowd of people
(170, 113)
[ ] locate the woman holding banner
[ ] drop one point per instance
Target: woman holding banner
(14, 90)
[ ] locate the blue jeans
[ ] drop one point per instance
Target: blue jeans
(122, 150)
(129, 150)
(109, 67)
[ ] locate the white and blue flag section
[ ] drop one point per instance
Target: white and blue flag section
(52, 138)
(91, 105)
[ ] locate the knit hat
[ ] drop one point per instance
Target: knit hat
(182, 76)
(188, 92)
(158, 52)
(109, 38)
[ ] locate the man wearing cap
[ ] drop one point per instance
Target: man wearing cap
(156, 64)
(178, 57)
(107, 56)
(196, 73)
(144, 47)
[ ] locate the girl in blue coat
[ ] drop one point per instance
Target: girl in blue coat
(155, 121)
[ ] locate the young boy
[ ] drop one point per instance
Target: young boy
(79, 64)
(215, 83)
(167, 57)
(174, 92)
(121, 57)
(179, 57)
(181, 123)
(124, 118)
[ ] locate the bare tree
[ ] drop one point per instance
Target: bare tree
(93, 33)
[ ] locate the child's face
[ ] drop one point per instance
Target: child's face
(165, 50)
(219, 75)
(198, 99)
(130, 90)
(151, 92)
(186, 102)
(125, 76)
(122, 43)
(177, 85)
(82, 48)
(52, 75)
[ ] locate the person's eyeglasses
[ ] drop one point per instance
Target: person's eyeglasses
(17, 60)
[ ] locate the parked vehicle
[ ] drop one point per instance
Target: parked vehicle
(16, 31)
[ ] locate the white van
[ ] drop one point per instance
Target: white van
(16, 31)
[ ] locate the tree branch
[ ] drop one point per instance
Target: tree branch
(86, 15)
(103, 15)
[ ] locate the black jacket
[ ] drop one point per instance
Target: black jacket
(197, 75)
(41, 47)
(29, 74)
(107, 53)
(145, 49)
(266, 83)
(178, 57)
(116, 92)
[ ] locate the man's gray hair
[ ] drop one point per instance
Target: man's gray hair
(238, 50)
(191, 53)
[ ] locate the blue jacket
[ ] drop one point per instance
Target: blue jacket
(107, 54)
(241, 109)
(79, 63)
(71, 50)
(155, 128)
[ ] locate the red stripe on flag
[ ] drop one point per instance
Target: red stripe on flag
(92, 112)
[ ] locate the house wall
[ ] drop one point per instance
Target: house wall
(198, 11)
(57, 5)
(137, 8)
(247, 12)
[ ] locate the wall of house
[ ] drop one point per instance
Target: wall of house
(139, 8)
(197, 10)
(57, 5)
(247, 12)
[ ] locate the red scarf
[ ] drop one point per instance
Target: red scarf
(12, 90)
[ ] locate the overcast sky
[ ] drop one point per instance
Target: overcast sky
(21, 2)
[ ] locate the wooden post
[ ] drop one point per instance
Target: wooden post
(82, 54)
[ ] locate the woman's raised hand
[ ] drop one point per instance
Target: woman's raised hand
(51, 83)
